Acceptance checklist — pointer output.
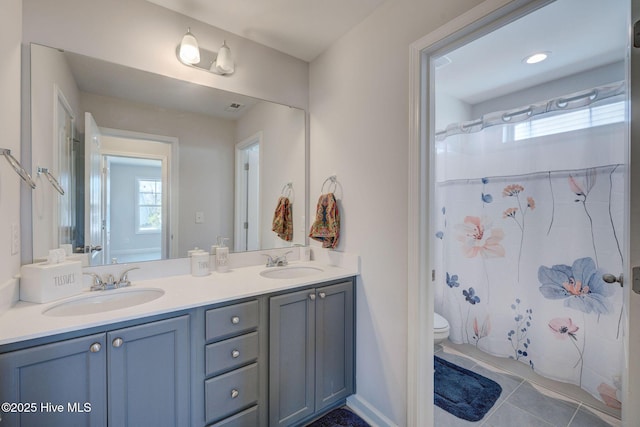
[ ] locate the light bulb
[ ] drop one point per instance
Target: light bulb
(224, 63)
(189, 51)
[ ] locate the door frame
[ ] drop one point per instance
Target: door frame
(240, 190)
(61, 105)
(482, 19)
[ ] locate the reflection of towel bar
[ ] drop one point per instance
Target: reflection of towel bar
(15, 164)
(333, 180)
(51, 179)
(287, 191)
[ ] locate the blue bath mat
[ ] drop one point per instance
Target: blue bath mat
(463, 393)
(340, 418)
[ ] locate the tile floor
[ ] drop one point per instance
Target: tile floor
(526, 399)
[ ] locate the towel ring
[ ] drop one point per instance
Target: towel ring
(15, 164)
(51, 179)
(287, 191)
(332, 180)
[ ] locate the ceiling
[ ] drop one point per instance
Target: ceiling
(300, 28)
(581, 34)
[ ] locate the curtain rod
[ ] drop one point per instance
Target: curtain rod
(569, 102)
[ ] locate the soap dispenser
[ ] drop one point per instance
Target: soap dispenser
(222, 256)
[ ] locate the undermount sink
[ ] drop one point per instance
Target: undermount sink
(101, 301)
(290, 272)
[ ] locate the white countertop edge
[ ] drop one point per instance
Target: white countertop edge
(25, 321)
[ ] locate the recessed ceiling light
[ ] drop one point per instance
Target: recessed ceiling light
(536, 57)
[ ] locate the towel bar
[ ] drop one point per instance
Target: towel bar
(15, 164)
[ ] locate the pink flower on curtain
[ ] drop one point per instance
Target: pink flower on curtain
(481, 331)
(582, 189)
(478, 238)
(609, 396)
(563, 327)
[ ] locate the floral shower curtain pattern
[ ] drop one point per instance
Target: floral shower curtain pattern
(521, 262)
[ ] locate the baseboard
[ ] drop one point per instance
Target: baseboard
(368, 412)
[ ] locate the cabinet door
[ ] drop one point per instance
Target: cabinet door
(149, 374)
(291, 357)
(56, 381)
(334, 343)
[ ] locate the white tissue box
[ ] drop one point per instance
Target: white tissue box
(47, 282)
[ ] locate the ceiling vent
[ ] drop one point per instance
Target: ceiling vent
(233, 107)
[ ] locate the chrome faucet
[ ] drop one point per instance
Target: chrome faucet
(279, 261)
(109, 282)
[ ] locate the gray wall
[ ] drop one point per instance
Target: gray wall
(10, 183)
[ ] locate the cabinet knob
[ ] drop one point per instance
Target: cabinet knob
(95, 347)
(235, 320)
(312, 297)
(235, 354)
(117, 342)
(234, 393)
(322, 295)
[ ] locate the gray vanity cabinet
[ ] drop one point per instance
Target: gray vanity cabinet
(148, 374)
(311, 352)
(142, 371)
(72, 371)
(233, 382)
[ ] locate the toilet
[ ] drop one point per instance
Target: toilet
(440, 328)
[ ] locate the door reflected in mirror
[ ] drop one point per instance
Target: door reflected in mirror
(153, 166)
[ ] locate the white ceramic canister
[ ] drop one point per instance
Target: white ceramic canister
(200, 263)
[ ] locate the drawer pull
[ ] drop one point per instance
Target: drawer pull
(95, 347)
(235, 354)
(235, 320)
(312, 297)
(234, 393)
(117, 342)
(322, 295)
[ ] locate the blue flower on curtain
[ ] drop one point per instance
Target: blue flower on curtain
(580, 285)
(486, 198)
(470, 296)
(452, 280)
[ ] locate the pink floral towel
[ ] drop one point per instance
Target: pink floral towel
(326, 227)
(283, 219)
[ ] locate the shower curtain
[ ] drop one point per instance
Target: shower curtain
(525, 231)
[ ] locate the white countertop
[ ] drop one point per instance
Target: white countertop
(25, 320)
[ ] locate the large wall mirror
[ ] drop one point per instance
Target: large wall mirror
(152, 167)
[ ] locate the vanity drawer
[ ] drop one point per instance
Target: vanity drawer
(231, 320)
(248, 418)
(227, 354)
(231, 392)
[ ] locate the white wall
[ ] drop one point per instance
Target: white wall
(143, 35)
(282, 157)
(11, 24)
(359, 125)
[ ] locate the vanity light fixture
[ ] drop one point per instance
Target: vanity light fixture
(189, 53)
(536, 57)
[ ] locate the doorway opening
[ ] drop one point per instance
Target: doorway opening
(137, 196)
(501, 156)
(133, 231)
